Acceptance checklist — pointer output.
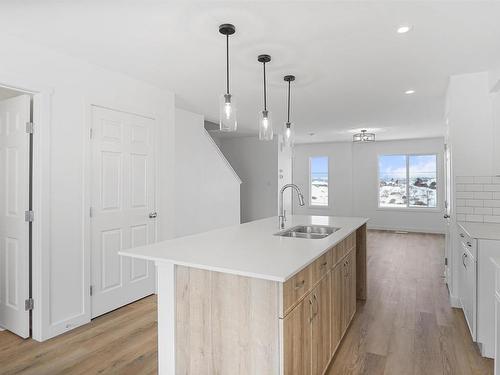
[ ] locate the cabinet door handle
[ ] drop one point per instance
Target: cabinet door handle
(469, 244)
(324, 264)
(317, 305)
(300, 285)
(462, 235)
(463, 260)
(311, 315)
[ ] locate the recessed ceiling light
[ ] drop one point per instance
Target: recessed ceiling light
(409, 92)
(403, 29)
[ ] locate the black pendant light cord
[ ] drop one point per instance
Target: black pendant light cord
(227, 63)
(288, 102)
(265, 99)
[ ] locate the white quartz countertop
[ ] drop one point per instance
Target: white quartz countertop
(250, 249)
(485, 231)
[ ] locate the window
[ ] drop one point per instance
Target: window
(318, 167)
(407, 181)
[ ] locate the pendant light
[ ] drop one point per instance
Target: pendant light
(288, 131)
(363, 137)
(265, 123)
(227, 104)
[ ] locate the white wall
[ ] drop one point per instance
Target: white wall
(207, 191)
(63, 297)
(365, 186)
(256, 163)
(339, 172)
(353, 188)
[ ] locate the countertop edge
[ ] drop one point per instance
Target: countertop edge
(160, 260)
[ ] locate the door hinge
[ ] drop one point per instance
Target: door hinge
(91, 290)
(29, 127)
(91, 212)
(29, 216)
(91, 133)
(29, 304)
(445, 261)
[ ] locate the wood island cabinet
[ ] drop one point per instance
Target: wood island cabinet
(229, 324)
(315, 324)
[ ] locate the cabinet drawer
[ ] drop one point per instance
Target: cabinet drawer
(296, 287)
(320, 267)
(350, 242)
(467, 242)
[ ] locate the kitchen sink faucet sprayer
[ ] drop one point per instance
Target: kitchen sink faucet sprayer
(282, 212)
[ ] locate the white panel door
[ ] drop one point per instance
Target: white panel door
(14, 201)
(122, 201)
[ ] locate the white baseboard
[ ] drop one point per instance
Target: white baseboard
(411, 230)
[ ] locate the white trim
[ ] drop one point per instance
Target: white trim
(166, 318)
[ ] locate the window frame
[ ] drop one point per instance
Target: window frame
(407, 207)
(309, 201)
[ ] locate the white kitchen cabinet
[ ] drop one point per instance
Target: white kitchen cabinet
(467, 280)
(496, 265)
(476, 274)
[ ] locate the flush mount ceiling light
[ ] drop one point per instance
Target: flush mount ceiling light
(227, 104)
(363, 137)
(403, 29)
(265, 123)
(409, 92)
(288, 131)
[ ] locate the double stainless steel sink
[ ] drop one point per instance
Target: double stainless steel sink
(310, 232)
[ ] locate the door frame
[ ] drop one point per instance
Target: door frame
(40, 233)
(87, 178)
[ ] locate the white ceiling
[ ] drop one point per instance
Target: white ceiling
(352, 67)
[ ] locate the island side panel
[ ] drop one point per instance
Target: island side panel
(225, 324)
(361, 276)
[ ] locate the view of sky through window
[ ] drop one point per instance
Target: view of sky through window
(408, 181)
(319, 180)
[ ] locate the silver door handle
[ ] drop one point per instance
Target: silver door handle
(153, 215)
(446, 216)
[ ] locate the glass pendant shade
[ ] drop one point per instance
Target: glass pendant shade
(265, 126)
(227, 113)
(288, 134)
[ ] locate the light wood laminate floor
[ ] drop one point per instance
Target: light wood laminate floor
(405, 327)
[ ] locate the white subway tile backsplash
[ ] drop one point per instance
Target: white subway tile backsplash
(477, 198)
(464, 180)
(474, 203)
(491, 219)
(482, 179)
(483, 195)
(492, 187)
(483, 210)
(474, 187)
(474, 218)
(465, 210)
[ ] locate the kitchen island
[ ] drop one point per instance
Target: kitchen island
(241, 300)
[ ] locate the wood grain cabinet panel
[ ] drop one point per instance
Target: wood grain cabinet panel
(297, 339)
(336, 307)
(320, 267)
(295, 288)
(321, 326)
